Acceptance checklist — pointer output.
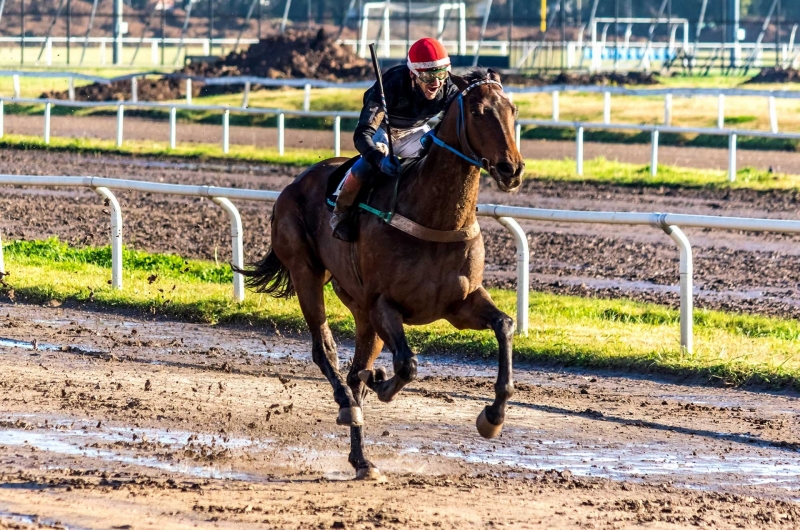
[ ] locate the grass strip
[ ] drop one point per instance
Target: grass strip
(598, 170)
(565, 330)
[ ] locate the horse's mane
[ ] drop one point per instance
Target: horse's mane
(475, 75)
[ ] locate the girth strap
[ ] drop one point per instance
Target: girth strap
(411, 228)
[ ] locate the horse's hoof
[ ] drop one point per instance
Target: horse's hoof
(350, 416)
(366, 376)
(486, 428)
(370, 474)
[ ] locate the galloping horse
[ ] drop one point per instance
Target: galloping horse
(389, 278)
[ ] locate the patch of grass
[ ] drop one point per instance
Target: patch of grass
(291, 157)
(565, 330)
(618, 173)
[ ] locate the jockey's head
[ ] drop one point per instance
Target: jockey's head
(429, 65)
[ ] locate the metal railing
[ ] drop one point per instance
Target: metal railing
(224, 111)
(505, 215)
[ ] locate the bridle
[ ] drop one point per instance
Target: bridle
(471, 156)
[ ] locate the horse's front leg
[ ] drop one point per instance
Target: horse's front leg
(388, 323)
(478, 311)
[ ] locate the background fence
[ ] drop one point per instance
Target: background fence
(726, 35)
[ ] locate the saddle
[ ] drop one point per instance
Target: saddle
(362, 199)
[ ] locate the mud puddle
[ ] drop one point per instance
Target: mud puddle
(81, 438)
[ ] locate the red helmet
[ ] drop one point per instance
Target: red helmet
(427, 54)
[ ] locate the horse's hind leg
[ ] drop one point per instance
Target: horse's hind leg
(478, 311)
(309, 285)
(388, 322)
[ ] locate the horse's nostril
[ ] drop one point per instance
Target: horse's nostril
(504, 168)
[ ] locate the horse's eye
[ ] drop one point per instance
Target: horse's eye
(477, 110)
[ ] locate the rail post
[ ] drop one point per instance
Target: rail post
(517, 134)
(134, 89)
(71, 89)
(654, 153)
(667, 109)
(721, 111)
(120, 116)
(773, 115)
(116, 236)
(686, 273)
(606, 107)
(188, 90)
(555, 106)
(154, 52)
(523, 274)
(337, 135)
(2, 260)
(246, 95)
(732, 157)
(2, 121)
(172, 127)
(15, 77)
(237, 259)
(281, 122)
(306, 97)
(226, 129)
(47, 122)
(579, 151)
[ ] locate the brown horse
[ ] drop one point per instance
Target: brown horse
(389, 278)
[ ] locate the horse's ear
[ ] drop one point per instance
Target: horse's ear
(494, 76)
(458, 81)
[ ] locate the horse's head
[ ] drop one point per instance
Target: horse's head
(487, 131)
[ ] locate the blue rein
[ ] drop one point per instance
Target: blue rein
(460, 125)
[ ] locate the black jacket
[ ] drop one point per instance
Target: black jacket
(407, 106)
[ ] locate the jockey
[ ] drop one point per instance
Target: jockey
(416, 94)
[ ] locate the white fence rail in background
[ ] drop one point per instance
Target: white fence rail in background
(224, 111)
(505, 215)
(336, 117)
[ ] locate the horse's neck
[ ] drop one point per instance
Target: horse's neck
(445, 190)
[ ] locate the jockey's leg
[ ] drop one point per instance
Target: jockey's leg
(388, 323)
(360, 174)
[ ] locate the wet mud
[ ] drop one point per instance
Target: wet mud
(120, 424)
(736, 271)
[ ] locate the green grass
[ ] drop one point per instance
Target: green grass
(565, 331)
(291, 157)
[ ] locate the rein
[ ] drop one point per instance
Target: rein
(461, 129)
(429, 234)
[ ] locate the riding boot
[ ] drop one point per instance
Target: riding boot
(342, 219)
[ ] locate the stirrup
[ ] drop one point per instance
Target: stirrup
(343, 227)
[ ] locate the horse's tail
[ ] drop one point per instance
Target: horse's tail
(269, 275)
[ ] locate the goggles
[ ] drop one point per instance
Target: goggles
(429, 76)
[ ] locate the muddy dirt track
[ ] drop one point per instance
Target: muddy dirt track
(114, 421)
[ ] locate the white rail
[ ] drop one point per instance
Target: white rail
(505, 215)
(336, 117)
(732, 135)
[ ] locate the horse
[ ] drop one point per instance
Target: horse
(424, 265)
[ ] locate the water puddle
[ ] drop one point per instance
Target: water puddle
(11, 343)
(83, 439)
(636, 462)
(39, 522)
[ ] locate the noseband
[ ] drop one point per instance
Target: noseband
(472, 157)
